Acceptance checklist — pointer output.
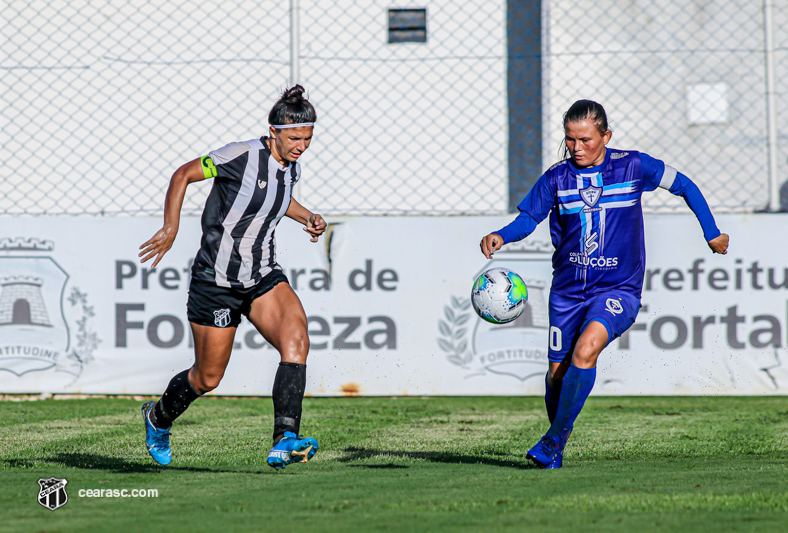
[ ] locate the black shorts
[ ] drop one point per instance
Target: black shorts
(222, 307)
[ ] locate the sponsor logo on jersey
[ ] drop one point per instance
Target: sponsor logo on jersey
(591, 195)
(591, 243)
(221, 318)
(583, 260)
(262, 183)
(558, 164)
(614, 306)
(52, 494)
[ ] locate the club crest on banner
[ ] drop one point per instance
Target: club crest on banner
(517, 349)
(37, 319)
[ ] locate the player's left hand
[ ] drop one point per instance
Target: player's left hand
(720, 244)
(315, 226)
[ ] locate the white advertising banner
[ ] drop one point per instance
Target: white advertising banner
(389, 310)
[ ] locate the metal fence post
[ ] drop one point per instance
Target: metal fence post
(294, 31)
(771, 107)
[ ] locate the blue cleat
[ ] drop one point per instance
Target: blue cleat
(292, 449)
(557, 462)
(157, 440)
(546, 450)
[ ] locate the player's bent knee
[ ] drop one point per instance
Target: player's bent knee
(294, 348)
(586, 354)
(204, 383)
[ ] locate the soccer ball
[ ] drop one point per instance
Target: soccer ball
(499, 295)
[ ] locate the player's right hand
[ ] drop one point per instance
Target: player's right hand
(490, 244)
(158, 245)
(720, 244)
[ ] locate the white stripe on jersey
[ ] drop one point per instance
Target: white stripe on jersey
(233, 150)
(269, 235)
(245, 249)
(620, 190)
(625, 203)
(668, 177)
(242, 200)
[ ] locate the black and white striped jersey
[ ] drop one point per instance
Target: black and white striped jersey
(251, 193)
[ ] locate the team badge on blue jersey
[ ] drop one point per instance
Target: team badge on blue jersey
(591, 195)
(614, 306)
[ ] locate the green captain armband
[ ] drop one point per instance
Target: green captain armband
(208, 168)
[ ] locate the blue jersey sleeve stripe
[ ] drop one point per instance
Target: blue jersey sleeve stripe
(570, 210)
(621, 185)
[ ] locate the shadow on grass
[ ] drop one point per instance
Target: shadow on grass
(117, 465)
(387, 466)
(357, 454)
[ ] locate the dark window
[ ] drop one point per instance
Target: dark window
(21, 312)
(407, 25)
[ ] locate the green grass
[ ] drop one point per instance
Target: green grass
(405, 464)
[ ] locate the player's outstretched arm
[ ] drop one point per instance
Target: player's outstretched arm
(686, 188)
(719, 245)
(533, 209)
(162, 240)
(491, 244)
(313, 223)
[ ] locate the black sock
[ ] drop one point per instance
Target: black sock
(175, 400)
(288, 394)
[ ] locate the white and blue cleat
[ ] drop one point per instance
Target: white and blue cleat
(292, 448)
(157, 440)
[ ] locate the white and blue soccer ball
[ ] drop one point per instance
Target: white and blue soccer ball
(499, 295)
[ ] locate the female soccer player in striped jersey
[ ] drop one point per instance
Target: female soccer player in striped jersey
(235, 273)
(596, 223)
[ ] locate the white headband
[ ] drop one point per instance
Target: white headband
(283, 126)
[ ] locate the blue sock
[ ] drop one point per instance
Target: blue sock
(551, 396)
(576, 387)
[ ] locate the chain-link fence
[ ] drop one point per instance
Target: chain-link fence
(685, 81)
(430, 107)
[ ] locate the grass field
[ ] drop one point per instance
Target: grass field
(405, 464)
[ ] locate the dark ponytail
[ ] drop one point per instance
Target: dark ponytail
(586, 110)
(292, 108)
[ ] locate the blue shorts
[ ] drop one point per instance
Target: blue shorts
(616, 310)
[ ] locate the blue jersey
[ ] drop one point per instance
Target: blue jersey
(596, 220)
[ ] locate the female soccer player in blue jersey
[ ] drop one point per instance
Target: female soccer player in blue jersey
(596, 223)
(235, 273)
